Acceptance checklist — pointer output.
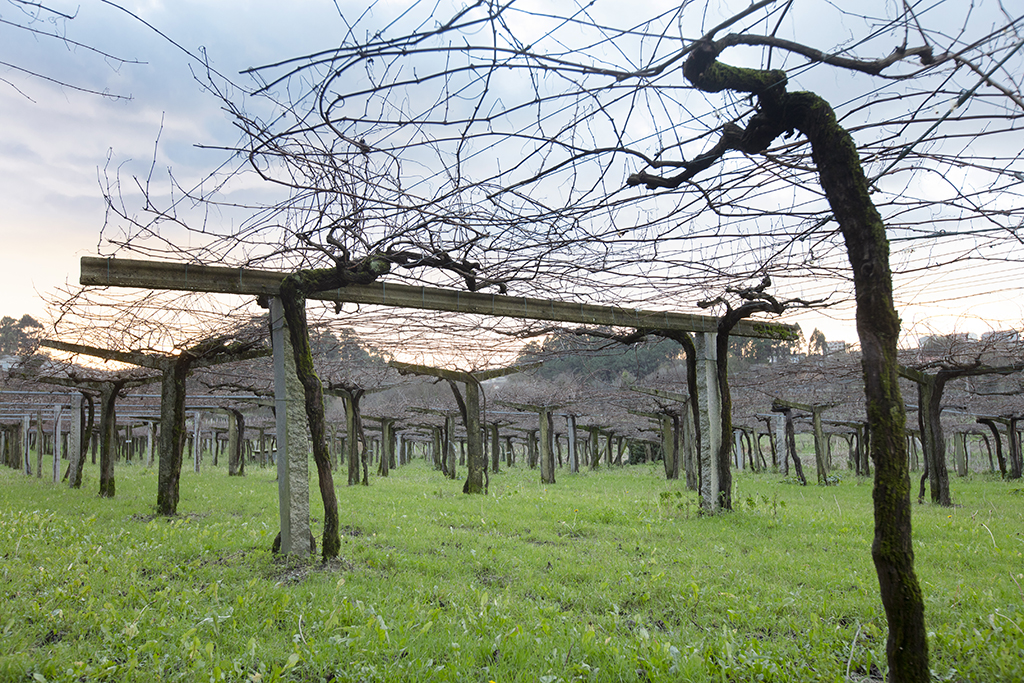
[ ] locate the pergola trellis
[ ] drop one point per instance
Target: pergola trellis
(293, 477)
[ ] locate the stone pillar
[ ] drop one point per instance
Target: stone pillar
(437, 450)
(387, 426)
(710, 404)
(150, 440)
(669, 447)
(263, 446)
(570, 431)
(26, 456)
(58, 442)
(960, 453)
(335, 454)
(197, 440)
(688, 451)
(547, 455)
(292, 444)
(495, 447)
(781, 461)
(594, 444)
(737, 448)
(232, 446)
(450, 453)
(75, 449)
(39, 444)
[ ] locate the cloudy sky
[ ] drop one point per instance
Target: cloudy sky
(59, 146)
(56, 143)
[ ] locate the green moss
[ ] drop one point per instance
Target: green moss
(771, 330)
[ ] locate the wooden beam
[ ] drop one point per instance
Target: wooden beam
(154, 361)
(464, 376)
(110, 272)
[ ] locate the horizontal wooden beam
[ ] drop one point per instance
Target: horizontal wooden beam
(111, 272)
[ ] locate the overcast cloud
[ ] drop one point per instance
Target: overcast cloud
(56, 142)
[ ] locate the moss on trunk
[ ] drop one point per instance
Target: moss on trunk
(846, 188)
(293, 299)
(108, 438)
(172, 435)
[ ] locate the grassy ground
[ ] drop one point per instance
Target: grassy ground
(604, 576)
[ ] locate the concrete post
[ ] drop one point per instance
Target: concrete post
(233, 446)
(960, 453)
(75, 450)
(495, 447)
(450, 454)
(669, 447)
(150, 440)
(710, 405)
(39, 444)
(547, 456)
(292, 446)
(197, 440)
(26, 457)
(58, 442)
(570, 430)
(688, 451)
(781, 461)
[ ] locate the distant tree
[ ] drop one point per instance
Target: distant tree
(17, 337)
(939, 360)
(816, 345)
(343, 346)
(596, 359)
(753, 351)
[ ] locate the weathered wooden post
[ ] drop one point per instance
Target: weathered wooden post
(292, 447)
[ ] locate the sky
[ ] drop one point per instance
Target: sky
(56, 143)
(59, 146)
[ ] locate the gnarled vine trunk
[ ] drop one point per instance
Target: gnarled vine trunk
(293, 302)
(846, 188)
(172, 434)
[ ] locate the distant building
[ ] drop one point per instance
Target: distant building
(834, 347)
(1004, 336)
(945, 341)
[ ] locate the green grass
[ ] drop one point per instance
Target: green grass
(604, 576)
